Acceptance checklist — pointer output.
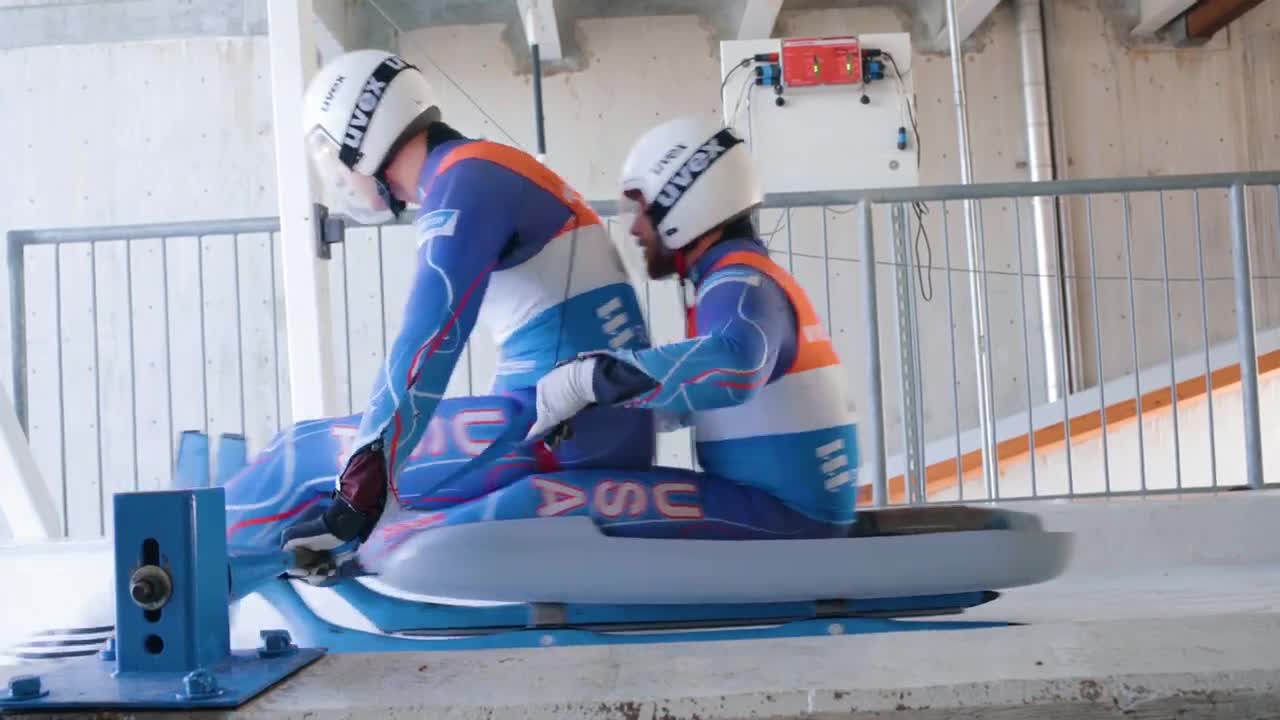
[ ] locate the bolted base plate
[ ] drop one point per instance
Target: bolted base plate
(93, 684)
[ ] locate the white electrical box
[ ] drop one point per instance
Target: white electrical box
(835, 129)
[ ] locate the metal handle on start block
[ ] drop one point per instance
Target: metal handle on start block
(150, 587)
(249, 568)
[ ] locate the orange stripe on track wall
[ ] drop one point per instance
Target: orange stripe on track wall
(942, 475)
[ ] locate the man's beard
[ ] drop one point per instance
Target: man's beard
(660, 263)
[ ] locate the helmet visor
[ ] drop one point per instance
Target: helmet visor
(349, 192)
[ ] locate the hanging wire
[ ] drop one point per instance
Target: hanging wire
(920, 209)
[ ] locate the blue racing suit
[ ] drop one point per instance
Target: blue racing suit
(759, 381)
(757, 378)
(502, 242)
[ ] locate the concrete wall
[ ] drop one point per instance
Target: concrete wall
(190, 138)
(117, 134)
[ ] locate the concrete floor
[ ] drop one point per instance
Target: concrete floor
(1179, 592)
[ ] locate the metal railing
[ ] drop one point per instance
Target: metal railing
(1244, 227)
(123, 337)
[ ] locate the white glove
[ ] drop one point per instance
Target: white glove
(563, 393)
(665, 421)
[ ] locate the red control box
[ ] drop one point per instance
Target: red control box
(821, 61)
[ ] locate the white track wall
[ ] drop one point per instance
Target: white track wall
(180, 130)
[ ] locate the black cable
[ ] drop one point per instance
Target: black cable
(911, 116)
(920, 209)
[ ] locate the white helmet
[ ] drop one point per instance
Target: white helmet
(695, 175)
(356, 112)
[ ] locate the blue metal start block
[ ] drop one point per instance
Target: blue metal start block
(172, 642)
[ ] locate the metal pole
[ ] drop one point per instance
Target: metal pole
(308, 323)
(874, 419)
(531, 33)
(1070, 302)
(1035, 109)
(18, 328)
(1204, 334)
(908, 378)
(977, 283)
(1245, 339)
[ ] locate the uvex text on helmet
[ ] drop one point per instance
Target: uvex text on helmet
(694, 174)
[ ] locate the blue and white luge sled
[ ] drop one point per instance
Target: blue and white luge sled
(184, 557)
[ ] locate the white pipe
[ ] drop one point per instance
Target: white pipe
(1035, 108)
(309, 329)
(25, 500)
(977, 282)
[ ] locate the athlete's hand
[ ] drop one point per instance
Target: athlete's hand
(322, 543)
(563, 393)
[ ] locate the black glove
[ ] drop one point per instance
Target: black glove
(323, 543)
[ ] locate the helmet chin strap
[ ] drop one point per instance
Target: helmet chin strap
(681, 259)
(395, 204)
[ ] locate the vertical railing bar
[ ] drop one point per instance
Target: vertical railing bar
(18, 328)
(204, 357)
(955, 371)
(1204, 330)
(791, 261)
(904, 406)
(648, 309)
(994, 491)
(133, 371)
(97, 386)
(1173, 374)
(471, 377)
(275, 325)
(1062, 376)
(168, 353)
(913, 327)
(1097, 329)
(62, 410)
(1133, 337)
(235, 273)
(1245, 340)
(346, 325)
(915, 314)
(906, 366)
(1026, 343)
(693, 449)
(875, 401)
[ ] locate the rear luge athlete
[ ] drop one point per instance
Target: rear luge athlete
(757, 376)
